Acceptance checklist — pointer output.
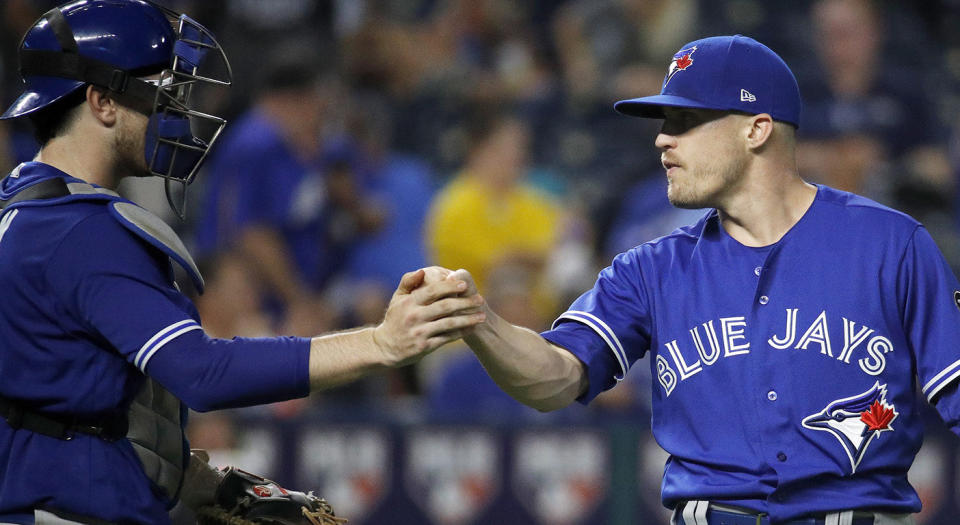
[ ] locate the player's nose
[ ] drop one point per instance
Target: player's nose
(665, 141)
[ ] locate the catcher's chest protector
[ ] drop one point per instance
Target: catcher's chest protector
(157, 436)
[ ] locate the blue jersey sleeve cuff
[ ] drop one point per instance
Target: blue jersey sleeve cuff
(603, 370)
(941, 380)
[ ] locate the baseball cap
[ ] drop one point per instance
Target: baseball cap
(730, 73)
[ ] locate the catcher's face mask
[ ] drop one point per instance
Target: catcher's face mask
(178, 135)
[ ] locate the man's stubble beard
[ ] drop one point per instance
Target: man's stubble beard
(701, 186)
(129, 143)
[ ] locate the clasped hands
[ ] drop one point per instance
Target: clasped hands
(431, 307)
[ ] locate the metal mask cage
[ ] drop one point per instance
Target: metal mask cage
(172, 102)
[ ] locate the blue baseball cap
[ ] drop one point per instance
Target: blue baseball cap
(728, 73)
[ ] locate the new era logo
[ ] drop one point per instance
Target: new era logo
(746, 96)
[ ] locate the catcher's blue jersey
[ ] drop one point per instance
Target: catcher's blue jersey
(786, 376)
(87, 309)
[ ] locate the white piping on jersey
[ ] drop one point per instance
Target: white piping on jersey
(5, 222)
(953, 371)
(161, 338)
(603, 331)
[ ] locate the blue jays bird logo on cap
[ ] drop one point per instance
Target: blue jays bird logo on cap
(855, 421)
(681, 61)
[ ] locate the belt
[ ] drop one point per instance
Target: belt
(717, 516)
(60, 427)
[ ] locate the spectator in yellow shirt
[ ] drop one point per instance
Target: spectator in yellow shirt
(488, 215)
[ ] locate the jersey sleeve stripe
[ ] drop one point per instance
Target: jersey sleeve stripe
(948, 371)
(603, 331)
(162, 333)
(941, 380)
(165, 340)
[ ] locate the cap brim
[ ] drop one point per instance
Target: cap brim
(38, 93)
(652, 107)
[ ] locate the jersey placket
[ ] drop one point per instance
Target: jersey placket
(770, 391)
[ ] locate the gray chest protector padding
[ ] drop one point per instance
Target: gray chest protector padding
(152, 229)
(155, 431)
(157, 436)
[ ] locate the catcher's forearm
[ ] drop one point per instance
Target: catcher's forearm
(210, 374)
(527, 366)
(343, 357)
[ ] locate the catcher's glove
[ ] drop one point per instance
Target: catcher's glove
(247, 499)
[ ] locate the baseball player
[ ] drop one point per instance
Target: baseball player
(789, 330)
(97, 344)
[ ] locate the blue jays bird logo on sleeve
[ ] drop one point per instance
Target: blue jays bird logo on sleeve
(855, 421)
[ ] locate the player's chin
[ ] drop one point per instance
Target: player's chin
(676, 195)
(687, 202)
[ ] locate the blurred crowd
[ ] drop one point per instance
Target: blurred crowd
(368, 138)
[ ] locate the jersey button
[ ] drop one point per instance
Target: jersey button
(756, 271)
(772, 395)
(781, 456)
(764, 299)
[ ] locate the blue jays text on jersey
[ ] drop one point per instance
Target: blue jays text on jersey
(707, 347)
(89, 311)
(786, 375)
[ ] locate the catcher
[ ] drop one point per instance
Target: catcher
(100, 353)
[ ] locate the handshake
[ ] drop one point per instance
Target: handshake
(435, 306)
(431, 307)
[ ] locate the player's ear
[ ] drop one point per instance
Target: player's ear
(760, 128)
(102, 105)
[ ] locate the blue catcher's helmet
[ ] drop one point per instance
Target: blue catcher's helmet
(114, 44)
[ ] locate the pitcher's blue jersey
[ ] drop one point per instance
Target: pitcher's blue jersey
(786, 376)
